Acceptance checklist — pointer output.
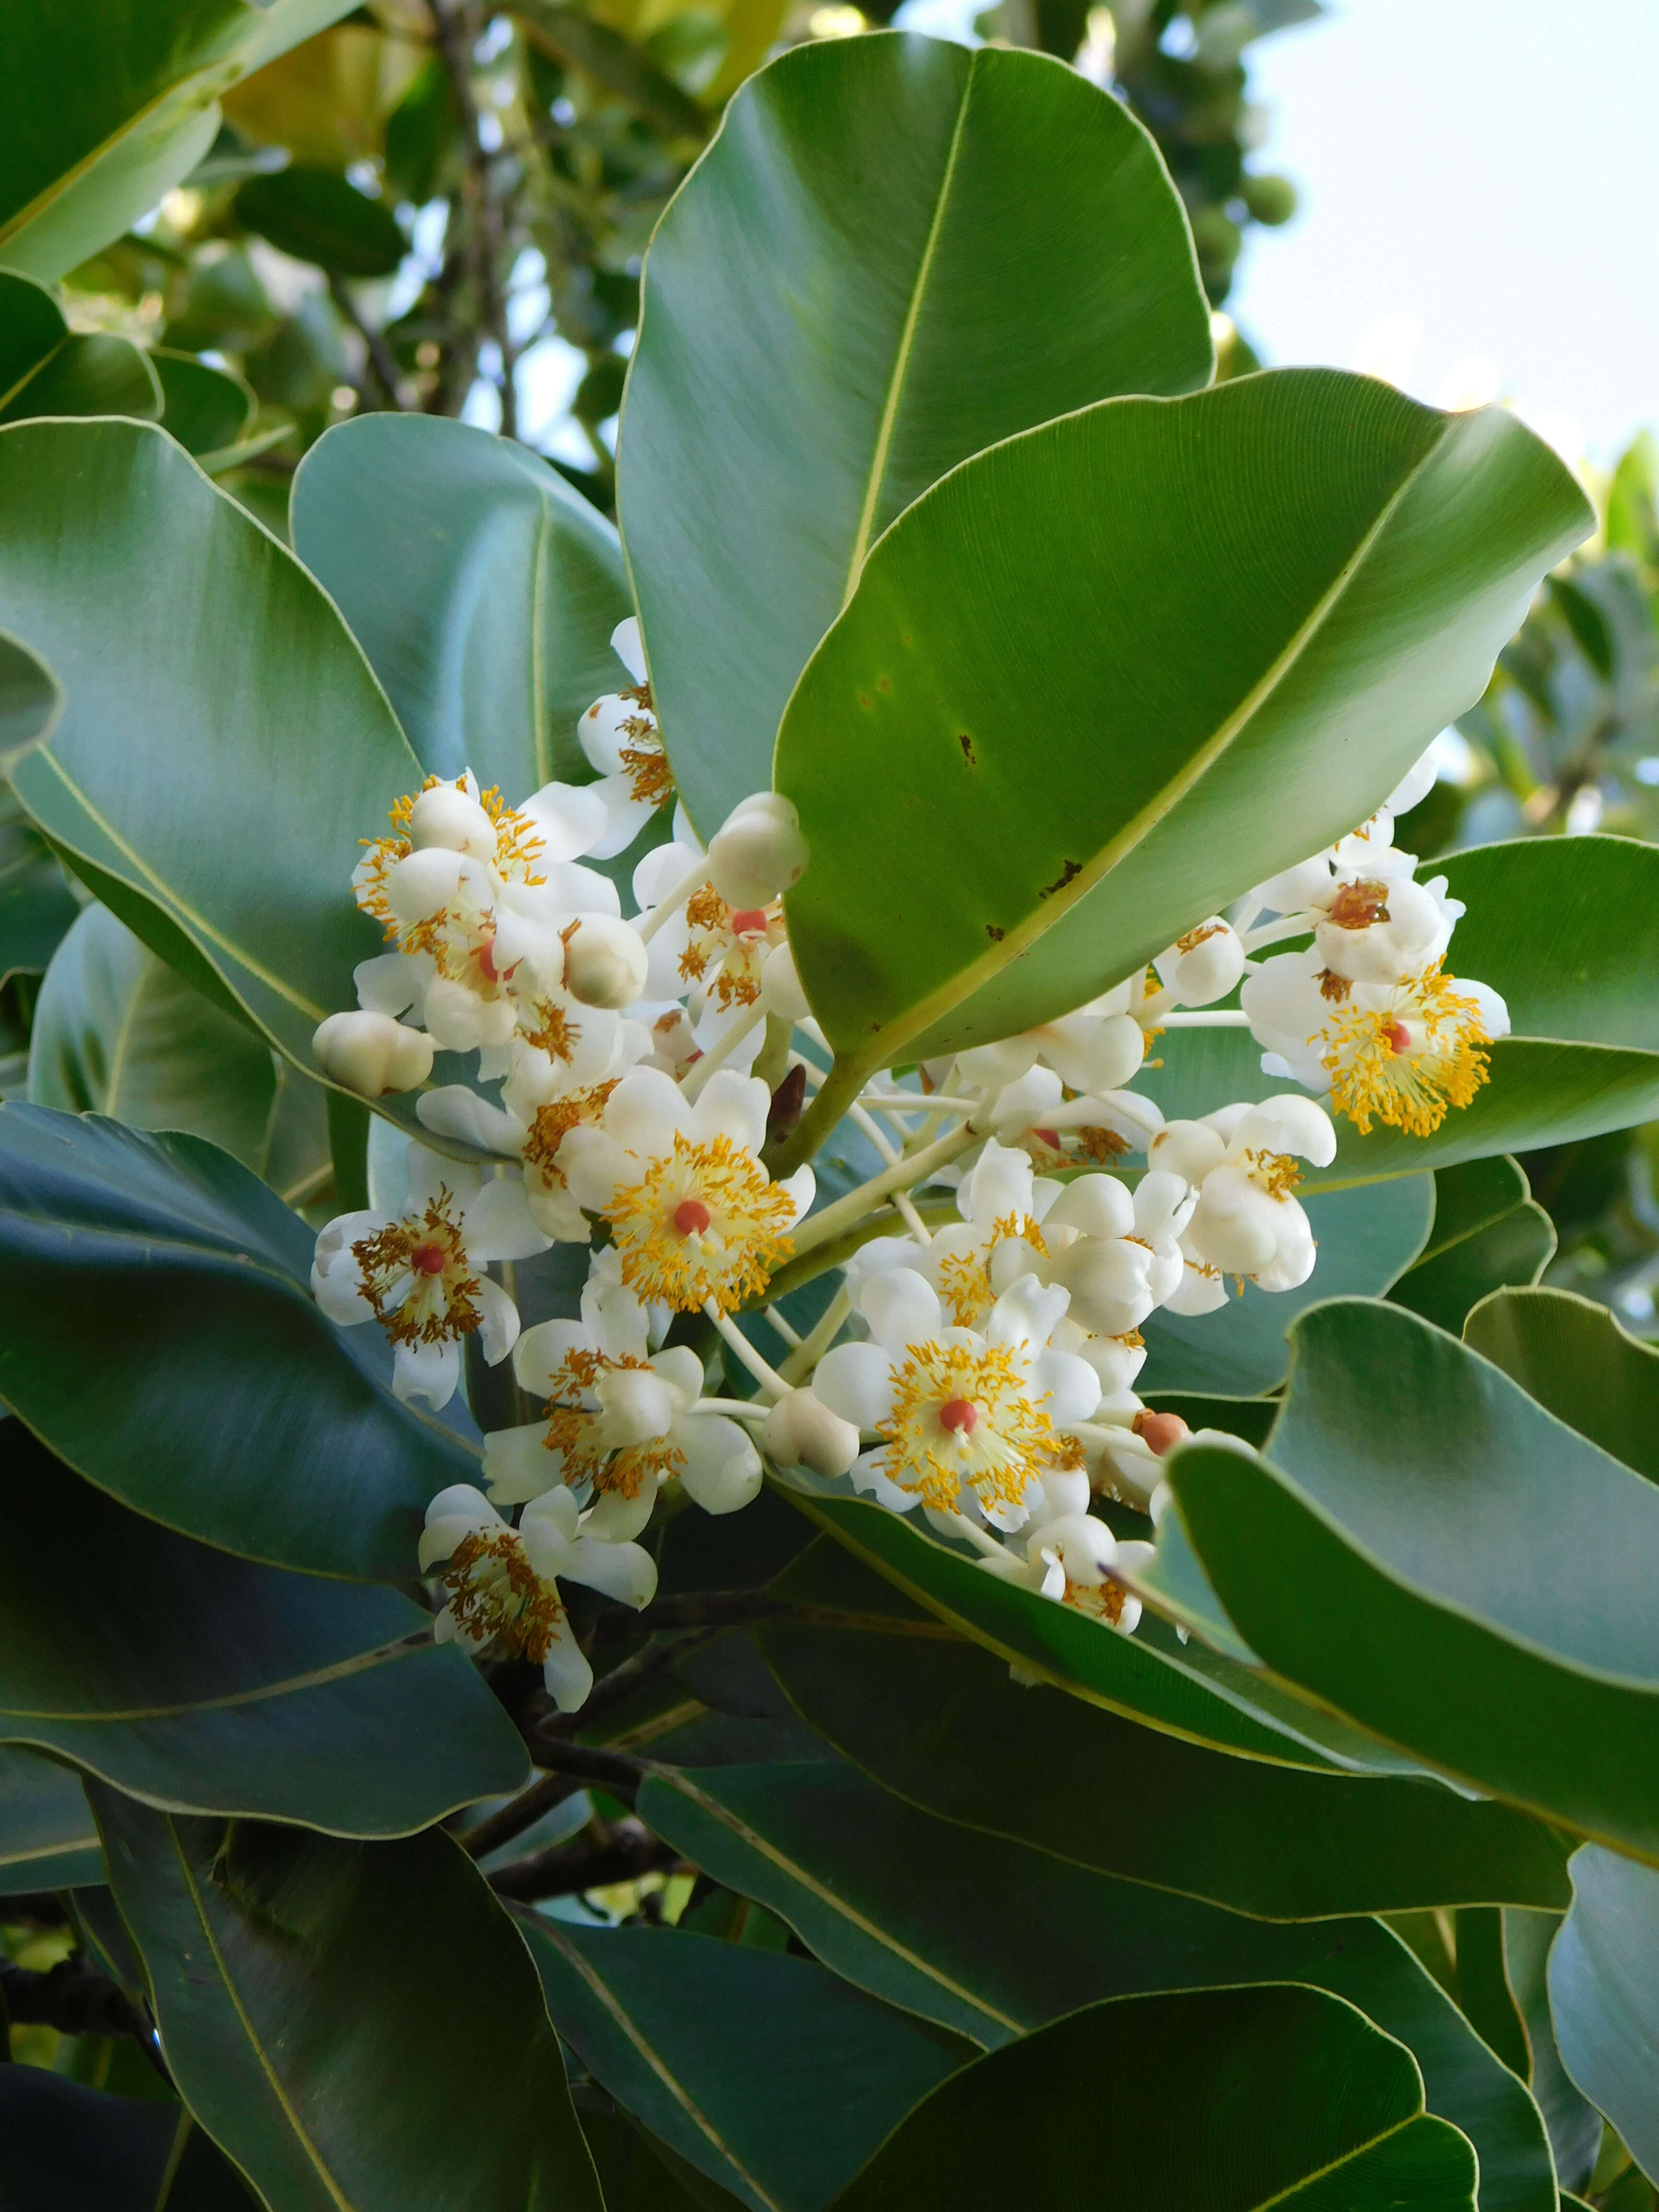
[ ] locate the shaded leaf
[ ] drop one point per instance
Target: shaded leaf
(205, 409)
(47, 369)
(63, 2144)
(36, 903)
(192, 1679)
(882, 240)
(315, 214)
(1575, 2125)
(47, 1839)
(355, 2024)
(1489, 1230)
(1604, 1993)
(1576, 1360)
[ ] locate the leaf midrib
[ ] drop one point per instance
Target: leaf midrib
(290, 1686)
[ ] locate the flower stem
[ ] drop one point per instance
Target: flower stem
(700, 1069)
(763, 1372)
(811, 1348)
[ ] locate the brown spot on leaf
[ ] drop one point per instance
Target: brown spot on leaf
(993, 933)
(1070, 869)
(967, 745)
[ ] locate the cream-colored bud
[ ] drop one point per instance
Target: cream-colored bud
(371, 1054)
(604, 962)
(422, 883)
(447, 817)
(800, 1430)
(757, 852)
(780, 986)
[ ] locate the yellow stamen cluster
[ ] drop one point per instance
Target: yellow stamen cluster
(572, 1431)
(554, 1122)
(1010, 1444)
(1198, 936)
(733, 962)
(1277, 1173)
(731, 1261)
(1100, 1600)
(518, 847)
(644, 762)
(437, 1303)
(495, 1592)
(965, 1277)
(1440, 1067)
(554, 1033)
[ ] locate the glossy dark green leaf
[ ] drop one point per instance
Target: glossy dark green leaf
(1424, 1547)
(635, 2174)
(1489, 1230)
(117, 1031)
(47, 1839)
(1574, 2123)
(355, 2024)
(315, 216)
(1604, 1993)
(31, 698)
(36, 903)
(1187, 1690)
(1235, 2100)
(64, 2146)
(894, 1899)
(76, 172)
(191, 1678)
(482, 587)
(47, 369)
(917, 250)
(966, 1742)
(157, 1329)
(1576, 1360)
(766, 2073)
(257, 747)
(205, 409)
(987, 856)
(1367, 1238)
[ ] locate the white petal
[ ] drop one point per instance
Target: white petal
(541, 1351)
(517, 1464)
(645, 1112)
(801, 1189)
(734, 1106)
(901, 1308)
(453, 1110)
(623, 1571)
(569, 1677)
(629, 646)
(1072, 1385)
(722, 1471)
(868, 1477)
(1026, 1313)
(497, 1223)
(1289, 1123)
(498, 1331)
(551, 1518)
(1098, 1205)
(427, 1370)
(680, 1368)
(391, 982)
(569, 818)
(856, 1381)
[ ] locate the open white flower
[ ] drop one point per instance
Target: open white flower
(619, 735)
(1374, 923)
(1071, 1559)
(694, 1215)
(621, 1421)
(504, 1582)
(1095, 1049)
(705, 949)
(420, 1273)
(1402, 1053)
(1242, 1163)
(963, 1416)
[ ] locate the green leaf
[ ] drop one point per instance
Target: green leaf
(257, 747)
(47, 1839)
(1488, 1230)
(1425, 1549)
(1235, 2100)
(36, 903)
(355, 2024)
(75, 173)
(195, 1679)
(1576, 1360)
(882, 242)
(766, 2073)
(1604, 1993)
(46, 369)
(969, 1743)
(1366, 1238)
(67, 2144)
(30, 699)
(1575, 2125)
(894, 1899)
(986, 854)
(315, 216)
(116, 1031)
(1567, 931)
(205, 409)
(635, 2174)
(482, 587)
(160, 1333)
(1187, 1690)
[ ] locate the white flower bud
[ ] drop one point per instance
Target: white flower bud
(371, 1054)
(780, 986)
(1204, 965)
(604, 962)
(450, 820)
(800, 1430)
(422, 883)
(757, 852)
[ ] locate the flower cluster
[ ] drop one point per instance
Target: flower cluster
(977, 1363)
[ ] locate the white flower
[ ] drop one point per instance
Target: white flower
(1419, 781)
(758, 852)
(1242, 1163)
(371, 1054)
(716, 952)
(1203, 965)
(693, 1214)
(1071, 1559)
(800, 1430)
(504, 1582)
(621, 1421)
(420, 1273)
(1402, 1053)
(963, 1417)
(1373, 924)
(1095, 1049)
(619, 735)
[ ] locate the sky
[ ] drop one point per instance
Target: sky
(1480, 205)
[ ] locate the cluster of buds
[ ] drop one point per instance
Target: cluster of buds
(977, 1364)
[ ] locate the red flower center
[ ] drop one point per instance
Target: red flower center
(960, 1414)
(691, 1217)
(427, 1258)
(749, 922)
(1399, 1037)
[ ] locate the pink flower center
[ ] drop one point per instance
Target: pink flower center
(427, 1258)
(1049, 1137)
(960, 1414)
(691, 1217)
(1399, 1037)
(749, 922)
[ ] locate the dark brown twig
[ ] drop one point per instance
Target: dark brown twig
(381, 358)
(569, 1868)
(75, 1999)
(458, 28)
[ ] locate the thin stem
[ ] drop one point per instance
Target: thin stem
(763, 1372)
(382, 359)
(458, 30)
(1271, 932)
(1223, 1017)
(651, 923)
(912, 1220)
(981, 1539)
(700, 1071)
(811, 1348)
(739, 1409)
(1247, 913)
(786, 1329)
(568, 1869)
(873, 1130)
(912, 1102)
(518, 1814)
(903, 1174)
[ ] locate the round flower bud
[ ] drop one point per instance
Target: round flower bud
(1204, 965)
(371, 1054)
(449, 818)
(422, 883)
(758, 851)
(604, 963)
(800, 1430)
(780, 986)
